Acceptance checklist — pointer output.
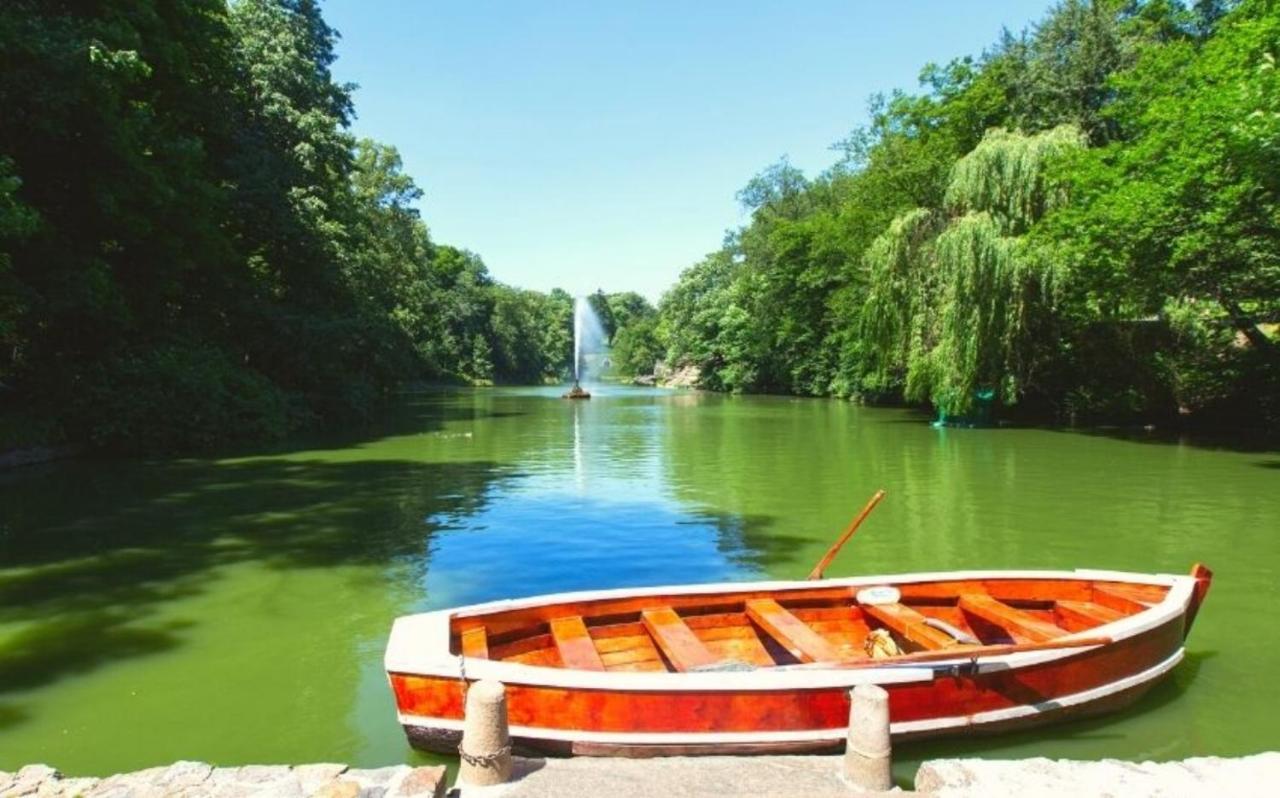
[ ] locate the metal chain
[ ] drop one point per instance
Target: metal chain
(476, 760)
(483, 760)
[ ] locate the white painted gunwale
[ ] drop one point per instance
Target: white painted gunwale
(419, 644)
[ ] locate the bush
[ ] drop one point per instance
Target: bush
(179, 396)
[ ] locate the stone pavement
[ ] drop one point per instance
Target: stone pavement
(673, 777)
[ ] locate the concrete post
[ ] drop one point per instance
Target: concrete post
(868, 755)
(486, 742)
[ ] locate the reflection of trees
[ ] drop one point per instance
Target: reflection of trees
(102, 562)
(135, 536)
(795, 471)
(786, 469)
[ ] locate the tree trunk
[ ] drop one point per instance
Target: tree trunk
(1246, 325)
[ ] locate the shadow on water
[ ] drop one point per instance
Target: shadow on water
(751, 542)
(1232, 441)
(12, 716)
(88, 554)
(410, 413)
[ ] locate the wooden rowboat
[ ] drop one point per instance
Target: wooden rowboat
(767, 666)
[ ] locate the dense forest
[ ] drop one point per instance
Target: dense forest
(193, 247)
(1080, 225)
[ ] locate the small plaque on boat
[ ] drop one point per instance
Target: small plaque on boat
(880, 594)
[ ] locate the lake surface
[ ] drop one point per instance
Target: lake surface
(234, 609)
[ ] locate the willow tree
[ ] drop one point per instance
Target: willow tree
(953, 293)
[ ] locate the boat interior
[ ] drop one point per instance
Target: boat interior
(841, 625)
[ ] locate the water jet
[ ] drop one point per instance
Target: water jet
(588, 336)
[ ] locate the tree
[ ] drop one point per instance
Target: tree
(952, 303)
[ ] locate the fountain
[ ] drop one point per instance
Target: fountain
(588, 336)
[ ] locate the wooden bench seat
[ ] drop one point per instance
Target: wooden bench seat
(577, 650)
(676, 640)
(910, 625)
(1017, 623)
(792, 633)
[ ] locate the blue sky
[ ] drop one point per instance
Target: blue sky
(599, 144)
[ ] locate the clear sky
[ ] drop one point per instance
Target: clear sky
(599, 143)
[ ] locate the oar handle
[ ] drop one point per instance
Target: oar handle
(816, 573)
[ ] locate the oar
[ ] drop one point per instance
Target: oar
(958, 652)
(816, 573)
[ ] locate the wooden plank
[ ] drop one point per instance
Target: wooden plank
(741, 649)
(910, 625)
(1145, 594)
(1119, 601)
(646, 654)
(541, 657)
(1014, 621)
(677, 641)
(804, 644)
(475, 643)
(521, 645)
(1079, 615)
(577, 651)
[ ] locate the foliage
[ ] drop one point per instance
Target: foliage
(175, 172)
(204, 398)
(1096, 195)
(950, 306)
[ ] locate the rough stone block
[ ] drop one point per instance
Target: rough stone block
(30, 778)
(261, 774)
(1108, 777)
(183, 775)
(313, 777)
(128, 785)
(375, 777)
(342, 788)
(70, 788)
(425, 782)
(288, 787)
(39, 772)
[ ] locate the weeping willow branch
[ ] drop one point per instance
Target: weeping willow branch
(1005, 176)
(900, 288)
(950, 300)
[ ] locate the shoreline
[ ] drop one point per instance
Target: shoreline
(724, 776)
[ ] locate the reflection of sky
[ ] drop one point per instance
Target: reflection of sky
(524, 543)
(597, 515)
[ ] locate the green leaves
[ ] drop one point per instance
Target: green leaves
(971, 242)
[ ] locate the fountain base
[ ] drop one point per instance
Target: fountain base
(576, 392)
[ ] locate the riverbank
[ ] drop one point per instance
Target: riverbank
(724, 776)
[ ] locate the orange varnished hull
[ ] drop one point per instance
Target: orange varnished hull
(638, 694)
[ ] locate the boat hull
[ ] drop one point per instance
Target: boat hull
(799, 710)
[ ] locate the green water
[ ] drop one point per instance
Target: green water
(234, 610)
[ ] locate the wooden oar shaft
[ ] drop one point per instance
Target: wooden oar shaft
(967, 652)
(816, 573)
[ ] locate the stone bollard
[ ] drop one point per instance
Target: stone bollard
(486, 742)
(867, 754)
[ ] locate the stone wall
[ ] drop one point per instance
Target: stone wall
(201, 780)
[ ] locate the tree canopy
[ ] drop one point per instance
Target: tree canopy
(1080, 223)
(194, 248)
